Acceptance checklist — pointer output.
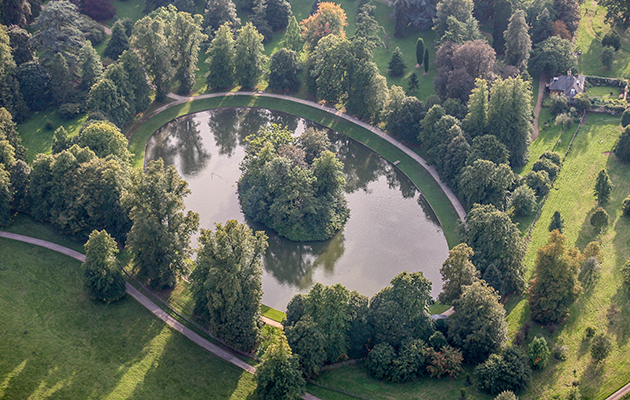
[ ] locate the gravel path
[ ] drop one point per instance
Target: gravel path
(541, 93)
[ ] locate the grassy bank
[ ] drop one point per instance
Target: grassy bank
(57, 342)
(421, 177)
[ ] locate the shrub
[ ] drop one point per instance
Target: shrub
(600, 348)
(69, 110)
(582, 102)
(99, 10)
(507, 395)
(625, 272)
(612, 39)
(539, 181)
(599, 219)
(437, 340)
(508, 370)
(560, 352)
(552, 156)
(625, 206)
(538, 352)
(380, 361)
(589, 332)
(574, 394)
(523, 199)
(448, 361)
(545, 164)
(559, 104)
(49, 125)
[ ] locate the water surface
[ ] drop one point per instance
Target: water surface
(391, 226)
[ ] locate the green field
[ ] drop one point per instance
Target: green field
(57, 342)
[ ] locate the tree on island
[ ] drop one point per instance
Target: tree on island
(301, 201)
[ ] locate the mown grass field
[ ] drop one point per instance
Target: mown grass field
(57, 342)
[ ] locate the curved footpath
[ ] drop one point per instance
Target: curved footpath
(431, 169)
(151, 306)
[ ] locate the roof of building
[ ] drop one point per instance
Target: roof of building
(570, 85)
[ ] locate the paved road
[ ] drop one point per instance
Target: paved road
(151, 306)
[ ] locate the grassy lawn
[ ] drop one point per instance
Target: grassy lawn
(572, 196)
(356, 380)
(56, 342)
(590, 62)
(421, 178)
(272, 314)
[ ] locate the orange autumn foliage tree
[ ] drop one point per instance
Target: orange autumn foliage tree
(330, 18)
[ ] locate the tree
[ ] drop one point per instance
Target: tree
(625, 118)
(542, 27)
(150, 42)
(399, 312)
(506, 395)
(34, 85)
(557, 222)
(105, 98)
(220, 58)
(419, 51)
(476, 121)
(611, 39)
(426, 61)
(396, 66)
(488, 147)
(478, 325)
(568, 11)
(60, 79)
(137, 80)
(559, 104)
(61, 141)
(105, 139)
(457, 152)
(518, 44)
(413, 84)
(278, 14)
(293, 36)
(556, 285)
(502, 16)
(403, 121)
(599, 219)
(283, 71)
(554, 55)
(600, 348)
(539, 181)
(617, 12)
(21, 44)
(90, 65)
(504, 371)
(227, 283)
(523, 201)
(446, 361)
(404, 365)
(6, 197)
(510, 117)
(218, 13)
(330, 19)
(545, 164)
(608, 56)
(99, 10)
(538, 352)
(102, 274)
(603, 187)
(20, 180)
(57, 31)
(457, 272)
(484, 182)
(8, 131)
(460, 10)
(248, 49)
(278, 375)
(159, 240)
(16, 12)
(496, 240)
(622, 147)
(332, 63)
(118, 42)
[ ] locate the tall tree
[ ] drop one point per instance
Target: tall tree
(21, 45)
(34, 85)
(460, 10)
(507, 370)
(137, 79)
(554, 55)
(10, 95)
(568, 11)
(283, 71)
(103, 275)
(510, 117)
(90, 66)
(517, 42)
(478, 325)
(116, 73)
(249, 50)
(293, 36)
(16, 12)
(9, 132)
(219, 12)
(603, 187)
(150, 42)
(617, 12)
(622, 147)
(227, 283)
(542, 27)
(279, 375)
(368, 27)
(426, 61)
(105, 139)
(502, 13)
(220, 59)
(556, 285)
(488, 147)
(118, 42)
(6, 197)
(496, 241)
(396, 66)
(278, 14)
(60, 79)
(333, 58)
(57, 31)
(457, 272)
(484, 182)
(419, 51)
(106, 98)
(330, 19)
(476, 121)
(159, 240)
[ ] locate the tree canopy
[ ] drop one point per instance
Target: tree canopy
(103, 275)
